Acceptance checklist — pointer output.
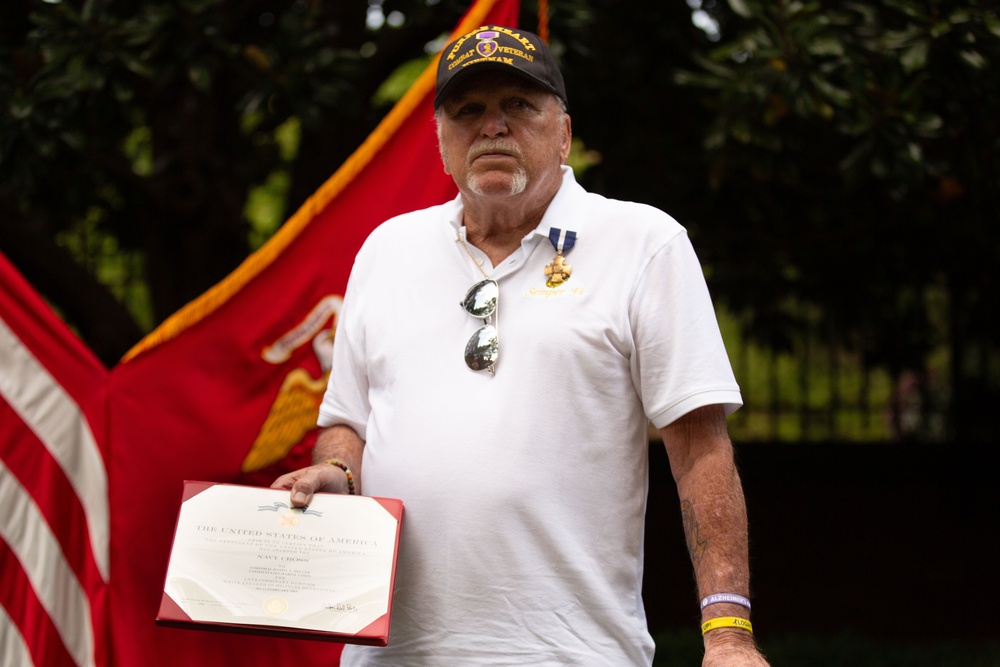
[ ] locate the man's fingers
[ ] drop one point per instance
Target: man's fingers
(300, 483)
(300, 497)
(305, 482)
(287, 480)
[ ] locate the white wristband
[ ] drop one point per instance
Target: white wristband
(731, 598)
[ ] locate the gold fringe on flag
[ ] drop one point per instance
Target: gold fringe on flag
(257, 262)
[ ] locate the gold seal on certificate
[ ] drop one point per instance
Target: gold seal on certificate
(243, 560)
(276, 606)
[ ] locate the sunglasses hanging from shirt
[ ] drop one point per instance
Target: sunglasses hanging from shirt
(483, 348)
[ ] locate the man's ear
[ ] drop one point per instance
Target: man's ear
(567, 137)
(444, 162)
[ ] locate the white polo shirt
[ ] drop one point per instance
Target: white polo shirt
(525, 491)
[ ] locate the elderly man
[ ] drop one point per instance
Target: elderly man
(516, 436)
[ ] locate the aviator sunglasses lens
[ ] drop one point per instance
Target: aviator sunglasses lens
(481, 299)
(483, 348)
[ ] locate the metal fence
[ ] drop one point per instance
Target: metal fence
(817, 392)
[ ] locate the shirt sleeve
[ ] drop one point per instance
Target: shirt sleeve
(680, 361)
(346, 397)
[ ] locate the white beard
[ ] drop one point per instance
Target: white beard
(518, 183)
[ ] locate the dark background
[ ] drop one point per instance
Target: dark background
(892, 542)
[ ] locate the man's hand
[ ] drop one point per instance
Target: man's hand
(731, 648)
(337, 442)
(303, 483)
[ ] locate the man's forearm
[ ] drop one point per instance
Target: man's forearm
(715, 527)
(341, 443)
(712, 506)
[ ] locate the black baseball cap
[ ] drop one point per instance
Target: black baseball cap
(498, 48)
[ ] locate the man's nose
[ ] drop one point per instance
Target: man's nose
(494, 123)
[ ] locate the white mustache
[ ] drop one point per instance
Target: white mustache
(493, 146)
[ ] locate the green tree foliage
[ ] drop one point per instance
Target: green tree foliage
(855, 147)
(133, 133)
(835, 162)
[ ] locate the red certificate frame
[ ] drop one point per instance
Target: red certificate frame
(244, 561)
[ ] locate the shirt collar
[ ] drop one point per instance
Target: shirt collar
(563, 210)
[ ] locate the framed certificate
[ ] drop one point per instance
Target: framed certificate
(243, 560)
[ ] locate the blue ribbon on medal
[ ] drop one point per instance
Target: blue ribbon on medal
(559, 271)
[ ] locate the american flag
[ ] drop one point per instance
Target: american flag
(54, 515)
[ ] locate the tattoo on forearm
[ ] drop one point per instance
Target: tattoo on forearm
(696, 545)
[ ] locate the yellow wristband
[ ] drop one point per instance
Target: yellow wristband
(726, 622)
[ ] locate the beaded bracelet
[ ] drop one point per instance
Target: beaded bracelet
(732, 598)
(347, 471)
(726, 622)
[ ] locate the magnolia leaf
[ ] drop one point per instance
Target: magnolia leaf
(741, 8)
(20, 108)
(200, 77)
(915, 57)
(993, 25)
(825, 46)
(838, 96)
(974, 59)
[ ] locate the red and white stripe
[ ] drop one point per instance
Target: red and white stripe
(54, 518)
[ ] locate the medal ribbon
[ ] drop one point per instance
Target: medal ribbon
(562, 240)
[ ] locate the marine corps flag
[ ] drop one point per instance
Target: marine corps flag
(226, 390)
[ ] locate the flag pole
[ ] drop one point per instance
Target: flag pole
(543, 20)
